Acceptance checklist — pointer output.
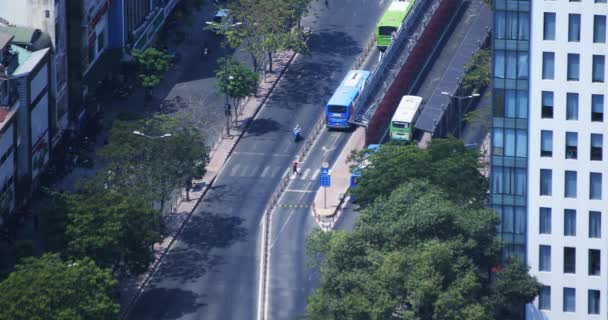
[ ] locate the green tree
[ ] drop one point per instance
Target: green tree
(48, 288)
(446, 162)
(236, 80)
(414, 255)
(153, 65)
(116, 229)
(268, 27)
(477, 75)
(155, 166)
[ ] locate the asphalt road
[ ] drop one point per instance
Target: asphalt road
(212, 270)
(290, 280)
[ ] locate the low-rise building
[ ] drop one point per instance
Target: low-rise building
(25, 135)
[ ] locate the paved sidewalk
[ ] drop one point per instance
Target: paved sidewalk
(327, 204)
(131, 288)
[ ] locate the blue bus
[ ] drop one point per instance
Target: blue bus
(341, 106)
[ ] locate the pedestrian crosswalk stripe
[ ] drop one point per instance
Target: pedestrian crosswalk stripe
(265, 171)
(306, 172)
(283, 205)
(315, 175)
(235, 170)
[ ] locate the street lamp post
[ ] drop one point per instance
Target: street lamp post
(225, 26)
(139, 133)
(458, 100)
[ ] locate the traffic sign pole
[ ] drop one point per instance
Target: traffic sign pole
(325, 199)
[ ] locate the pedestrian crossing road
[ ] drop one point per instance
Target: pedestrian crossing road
(245, 170)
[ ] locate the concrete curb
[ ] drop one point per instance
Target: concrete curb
(144, 284)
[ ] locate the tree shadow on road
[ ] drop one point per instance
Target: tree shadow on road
(261, 126)
(161, 303)
(191, 257)
(336, 44)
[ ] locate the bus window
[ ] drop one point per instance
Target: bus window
(386, 31)
(398, 124)
(336, 109)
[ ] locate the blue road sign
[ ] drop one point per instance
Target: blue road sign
(325, 180)
(324, 171)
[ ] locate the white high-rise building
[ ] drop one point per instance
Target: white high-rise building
(549, 172)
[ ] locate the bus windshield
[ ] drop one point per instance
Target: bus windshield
(399, 124)
(336, 109)
(386, 30)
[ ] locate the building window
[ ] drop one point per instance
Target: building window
(512, 25)
(600, 1)
(598, 68)
(522, 65)
(594, 262)
(544, 298)
(595, 186)
(574, 27)
(549, 26)
(597, 108)
(569, 260)
(569, 222)
(570, 184)
(569, 300)
(498, 144)
(571, 106)
(545, 182)
(599, 29)
(571, 145)
(593, 302)
(573, 66)
(508, 180)
(515, 104)
(544, 258)
(547, 108)
(595, 224)
(597, 142)
(548, 65)
(545, 221)
(546, 143)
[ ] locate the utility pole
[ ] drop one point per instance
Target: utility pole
(458, 106)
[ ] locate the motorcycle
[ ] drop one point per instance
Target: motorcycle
(297, 134)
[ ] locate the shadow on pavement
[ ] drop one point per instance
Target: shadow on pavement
(336, 44)
(153, 304)
(192, 257)
(261, 126)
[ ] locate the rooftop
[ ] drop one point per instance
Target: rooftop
(5, 39)
(29, 38)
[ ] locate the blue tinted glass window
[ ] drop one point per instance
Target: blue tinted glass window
(571, 106)
(598, 70)
(549, 26)
(574, 27)
(548, 65)
(573, 66)
(599, 29)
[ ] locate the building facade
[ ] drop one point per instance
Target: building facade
(547, 150)
(9, 106)
(50, 18)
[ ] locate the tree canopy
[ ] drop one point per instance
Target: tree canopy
(236, 80)
(49, 288)
(268, 27)
(415, 255)
(152, 166)
(445, 163)
(116, 229)
(153, 64)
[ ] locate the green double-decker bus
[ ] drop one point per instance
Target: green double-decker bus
(391, 22)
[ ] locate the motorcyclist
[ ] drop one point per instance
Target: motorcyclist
(296, 132)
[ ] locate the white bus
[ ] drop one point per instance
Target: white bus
(404, 118)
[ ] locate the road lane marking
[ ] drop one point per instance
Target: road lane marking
(299, 191)
(315, 175)
(235, 169)
(262, 154)
(283, 205)
(305, 174)
(265, 171)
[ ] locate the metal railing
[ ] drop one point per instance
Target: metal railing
(393, 59)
